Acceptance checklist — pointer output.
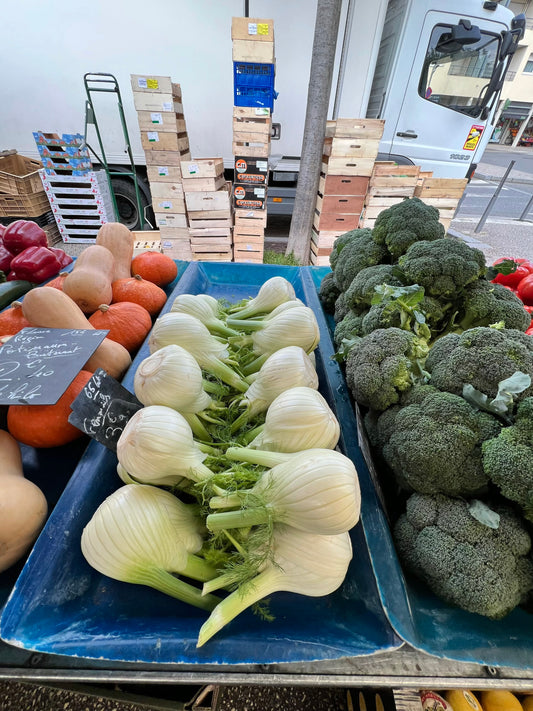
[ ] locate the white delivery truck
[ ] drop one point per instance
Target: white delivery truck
(432, 69)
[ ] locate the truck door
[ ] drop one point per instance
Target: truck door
(439, 125)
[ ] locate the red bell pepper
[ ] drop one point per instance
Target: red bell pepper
(22, 234)
(35, 264)
(5, 259)
(525, 290)
(64, 258)
(523, 269)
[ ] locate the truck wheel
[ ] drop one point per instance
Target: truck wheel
(124, 190)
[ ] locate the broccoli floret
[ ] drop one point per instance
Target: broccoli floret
(339, 244)
(434, 444)
(508, 459)
(407, 222)
(391, 313)
(359, 252)
(442, 267)
(465, 562)
(360, 292)
(481, 357)
(348, 328)
(382, 365)
(485, 303)
(341, 308)
(328, 293)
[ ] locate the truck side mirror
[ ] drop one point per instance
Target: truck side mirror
(458, 37)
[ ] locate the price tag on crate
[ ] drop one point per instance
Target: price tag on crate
(38, 364)
(103, 409)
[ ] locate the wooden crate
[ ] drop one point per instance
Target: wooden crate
(252, 28)
(342, 185)
(252, 149)
(209, 201)
(19, 175)
(154, 101)
(334, 222)
(165, 205)
(177, 248)
(245, 218)
(441, 188)
(163, 173)
(249, 126)
(200, 224)
(248, 50)
(163, 190)
(150, 83)
(351, 204)
(170, 159)
(174, 233)
(194, 185)
(355, 128)
(202, 168)
(390, 180)
(249, 227)
(351, 147)
(339, 165)
(160, 141)
(168, 219)
(210, 232)
(146, 242)
(162, 121)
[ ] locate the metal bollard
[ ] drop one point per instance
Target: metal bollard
(493, 199)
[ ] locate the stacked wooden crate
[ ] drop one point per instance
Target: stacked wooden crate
(442, 193)
(389, 183)
(254, 71)
(350, 149)
(164, 138)
(208, 201)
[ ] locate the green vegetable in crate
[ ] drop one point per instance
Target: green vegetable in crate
(341, 308)
(442, 267)
(360, 252)
(12, 290)
(211, 354)
(485, 303)
(434, 444)
(480, 357)
(157, 447)
(508, 459)
(483, 567)
(350, 327)
(407, 222)
(380, 366)
(206, 309)
(286, 368)
(271, 294)
(248, 325)
(298, 419)
(142, 534)
(361, 291)
(315, 490)
(300, 562)
(339, 244)
(328, 293)
(171, 377)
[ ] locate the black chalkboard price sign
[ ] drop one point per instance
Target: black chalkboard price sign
(38, 364)
(103, 408)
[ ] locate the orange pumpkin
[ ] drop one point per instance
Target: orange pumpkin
(12, 320)
(127, 323)
(46, 426)
(58, 281)
(156, 267)
(140, 291)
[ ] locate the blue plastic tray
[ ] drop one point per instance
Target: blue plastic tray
(60, 605)
(416, 614)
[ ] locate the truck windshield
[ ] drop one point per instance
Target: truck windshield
(457, 76)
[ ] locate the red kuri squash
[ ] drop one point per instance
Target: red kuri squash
(156, 267)
(128, 323)
(140, 291)
(12, 320)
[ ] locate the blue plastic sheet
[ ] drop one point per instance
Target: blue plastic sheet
(61, 605)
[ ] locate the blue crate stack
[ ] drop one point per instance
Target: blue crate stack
(254, 72)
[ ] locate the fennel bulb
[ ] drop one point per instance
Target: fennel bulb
(298, 419)
(252, 324)
(206, 309)
(188, 332)
(157, 447)
(302, 562)
(172, 377)
(316, 490)
(288, 367)
(271, 294)
(142, 534)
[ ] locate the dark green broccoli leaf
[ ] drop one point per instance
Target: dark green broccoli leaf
(362, 289)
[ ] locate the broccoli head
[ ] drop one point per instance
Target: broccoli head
(443, 267)
(508, 459)
(466, 563)
(382, 365)
(407, 222)
(359, 252)
(396, 313)
(328, 293)
(360, 292)
(348, 328)
(481, 357)
(341, 308)
(434, 444)
(338, 246)
(485, 303)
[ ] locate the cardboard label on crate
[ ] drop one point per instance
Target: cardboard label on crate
(103, 409)
(262, 28)
(153, 136)
(166, 205)
(156, 118)
(145, 83)
(252, 28)
(251, 170)
(38, 364)
(167, 105)
(249, 196)
(162, 170)
(193, 168)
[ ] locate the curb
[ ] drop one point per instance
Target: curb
(497, 178)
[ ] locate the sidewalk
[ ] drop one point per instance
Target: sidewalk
(487, 170)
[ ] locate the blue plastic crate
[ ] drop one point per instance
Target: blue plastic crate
(254, 84)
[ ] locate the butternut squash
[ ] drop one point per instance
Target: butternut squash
(89, 282)
(120, 242)
(23, 506)
(52, 308)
